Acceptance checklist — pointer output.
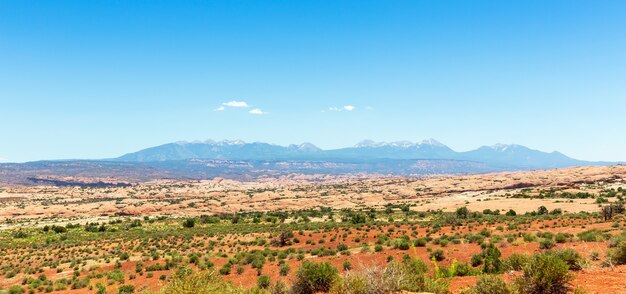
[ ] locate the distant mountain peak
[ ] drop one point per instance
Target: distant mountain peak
(505, 147)
(368, 143)
(308, 147)
(432, 142)
(212, 142)
(231, 142)
(401, 144)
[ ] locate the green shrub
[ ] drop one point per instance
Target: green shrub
(314, 277)
(401, 244)
(204, 282)
(573, 260)
(263, 282)
(342, 247)
(561, 237)
(593, 235)
(492, 254)
(347, 266)
(378, 248)
(100, 289)
(15, 290)
(546, 244)
(284, 269)
(463, 269)
(617, 253)
(126, 289)
(617, 249)
(225, 269)
(516, 261)
(420, 242)
(412, 277)
(544, 273)
(437, 255)
(477, 260)
(489, 285)
(189, 223)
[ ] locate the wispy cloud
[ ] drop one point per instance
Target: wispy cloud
(239, 104)
(2, 159)
(236, 104)
(257, 111)
(345, 107)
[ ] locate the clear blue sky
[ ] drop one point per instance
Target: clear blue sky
(97, 79)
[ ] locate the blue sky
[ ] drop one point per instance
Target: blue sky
(97, 79)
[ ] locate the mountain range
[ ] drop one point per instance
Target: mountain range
(252, 161)
(500, 156)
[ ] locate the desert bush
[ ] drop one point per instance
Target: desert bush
(15, 290)
(100, 288)
(573, 260)
(412, 277)
(464, 269)
(284, 269)
(561, 237)
(401, 244)
(489, 285)
(263, 282)
(189, 223)
(617, 249)
(347, 266)
(314, 277)
(477, 259)
(378, 248)
(544, 274)
(205, 282)
(437, 255)
(516, 261)
(546, 244)
(492, 263)
(593, 235)
(126, 289)
(420, 242)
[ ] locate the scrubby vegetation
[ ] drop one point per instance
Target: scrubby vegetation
(386, 249)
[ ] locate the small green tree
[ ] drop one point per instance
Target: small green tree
(189, 223)
(462, 212)
(542, 210)
(492, 263)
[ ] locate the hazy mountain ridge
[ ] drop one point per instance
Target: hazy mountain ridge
(252, 161)
(499, 156)
(98, 173)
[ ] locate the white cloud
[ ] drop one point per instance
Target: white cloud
(257, 111)
(221, 108)
(346, 108)
(3, 159)
(236, 104)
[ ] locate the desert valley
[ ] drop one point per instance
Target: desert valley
(266, 234)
